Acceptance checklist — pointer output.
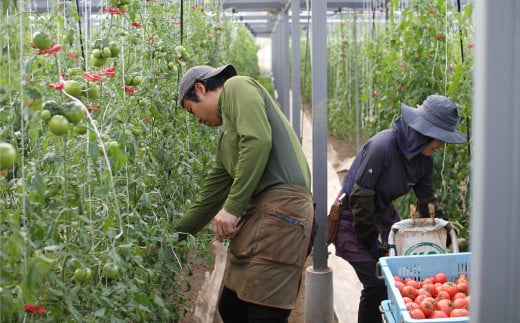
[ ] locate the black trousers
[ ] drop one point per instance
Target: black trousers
(373, 293)
(234, 310)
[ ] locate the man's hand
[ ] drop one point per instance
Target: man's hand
(224, 225)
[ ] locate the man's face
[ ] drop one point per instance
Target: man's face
(205, 110)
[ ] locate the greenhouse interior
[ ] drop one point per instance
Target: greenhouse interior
(99, 160)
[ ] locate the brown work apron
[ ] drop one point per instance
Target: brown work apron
(266, 256)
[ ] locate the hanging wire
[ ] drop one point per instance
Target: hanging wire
(81, 35)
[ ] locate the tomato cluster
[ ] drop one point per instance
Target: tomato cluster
(435, 296)
(59, 117)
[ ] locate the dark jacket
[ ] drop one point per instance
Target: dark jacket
(389, 165)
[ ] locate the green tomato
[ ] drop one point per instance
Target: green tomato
(7, 155)
(58, 125)
(136, 80)
(80, 129)
(137, 130)
(97, 62)
(41, 40)
(106, 52)
(92, 90)
(74, 112)
(172, 67)
(97, 53)
(45, 114)
(182, 53)
(115, 49)
(111, 270)
(73, 88)
(82, 275)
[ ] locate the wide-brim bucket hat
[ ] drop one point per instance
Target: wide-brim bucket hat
(200, 73)
(437, 118)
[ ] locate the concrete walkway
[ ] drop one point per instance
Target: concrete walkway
(347, 287)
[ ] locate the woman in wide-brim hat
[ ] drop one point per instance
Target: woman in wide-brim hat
(390, 164)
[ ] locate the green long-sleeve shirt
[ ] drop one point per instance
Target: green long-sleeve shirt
(257, 149)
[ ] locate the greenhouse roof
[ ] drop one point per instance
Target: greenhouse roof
(261, 16)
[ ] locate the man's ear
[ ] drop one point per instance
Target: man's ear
(200, 87)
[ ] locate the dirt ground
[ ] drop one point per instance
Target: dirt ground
(339, 151)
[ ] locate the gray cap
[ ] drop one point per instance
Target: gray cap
(437, 118)
(201, 72)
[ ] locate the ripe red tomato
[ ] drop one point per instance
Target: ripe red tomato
(438, 314)
(450, 287)
(459, 303)
(463, 287)
(412, 306)
(429, 289)
(459, 295)
(458, 312)
(409, 291)
(420, 298)
(443, 295)
(417, 314)
(427, 307)
(399, 285)
(413, 283)
(407, 299)
(440, 278)
(444, 305)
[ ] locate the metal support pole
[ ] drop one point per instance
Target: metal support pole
(319, 289)
(496, 155)
(295, 38)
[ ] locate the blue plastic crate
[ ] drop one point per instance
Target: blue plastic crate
(387, 312)
(418, 268)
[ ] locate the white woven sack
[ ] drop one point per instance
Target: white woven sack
(420, 236)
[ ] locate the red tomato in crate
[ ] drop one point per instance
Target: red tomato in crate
(427, 307)
(462, 286)
(450, 288)
(409, 291)
(443, 295)
(440, 278)
(417, 314)
(458, 312)
(460, 303)
(407, 299)
(444, 305)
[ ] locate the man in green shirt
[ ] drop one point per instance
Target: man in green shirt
(257, 194)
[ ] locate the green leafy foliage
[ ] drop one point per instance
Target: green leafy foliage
(110, 191)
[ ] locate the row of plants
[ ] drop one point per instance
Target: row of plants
(380, 58)
(105, 161)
